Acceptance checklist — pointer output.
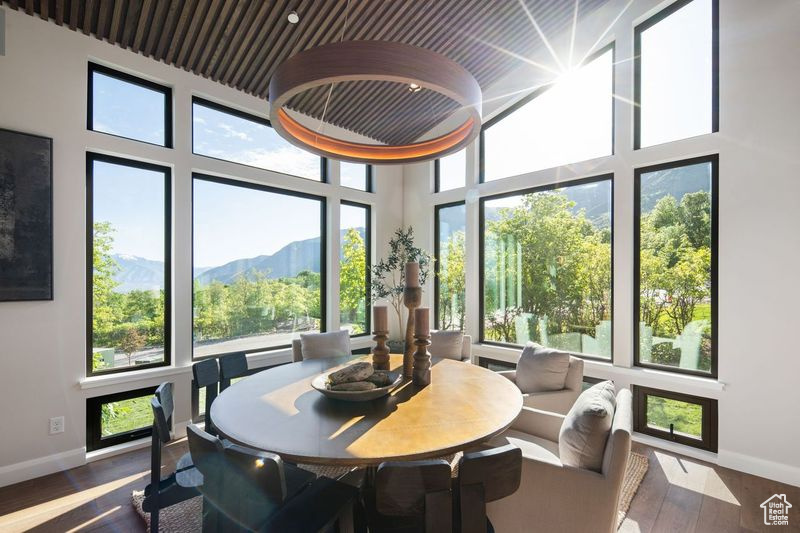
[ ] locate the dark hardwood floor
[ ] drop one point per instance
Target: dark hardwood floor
(678, 494)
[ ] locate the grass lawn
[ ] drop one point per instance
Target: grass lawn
(126, 415)
(686, 417)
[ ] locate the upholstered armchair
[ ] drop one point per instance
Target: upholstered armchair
(556, 497)
(451, 345)
(559, 401)
(318, 345)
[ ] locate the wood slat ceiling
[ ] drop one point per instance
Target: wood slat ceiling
(240, 43)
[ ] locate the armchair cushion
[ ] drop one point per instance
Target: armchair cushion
(532, 447)
(541, 369)
(447, 344)
(332, 344)
(583, 435)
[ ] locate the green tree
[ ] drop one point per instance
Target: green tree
(452, 283)
(352, 280)
(104, 311)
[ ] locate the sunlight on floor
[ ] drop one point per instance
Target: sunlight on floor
(687, 474)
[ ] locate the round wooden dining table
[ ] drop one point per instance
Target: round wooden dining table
(277, 410)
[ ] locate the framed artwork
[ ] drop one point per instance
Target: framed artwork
(26, 217)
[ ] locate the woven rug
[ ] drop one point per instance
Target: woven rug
(186, 517)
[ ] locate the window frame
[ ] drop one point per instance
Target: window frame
(368, 269)
(709, 421)
(532, 96)
(637, 68)
(713, 159)
(323, 161)
(437, 251)
(94, 424)
(609, 176)
(134, 80)
(323, 283)
(91, 158)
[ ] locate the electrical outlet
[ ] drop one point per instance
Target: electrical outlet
(56, 425)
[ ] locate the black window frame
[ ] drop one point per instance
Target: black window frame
(134, 80)
(368, 269)
(323, 284)
(323, 162)
(91, 157)
(484, 362)
(437, 252)
(94, 425)
(481, 256)
(637, 67)
(709, 422)
(437, 173)
(713, 159)
(538, 92)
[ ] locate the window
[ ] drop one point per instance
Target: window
(259, 280)
(237, 137)
(450, 281)
(569, 121)
(451, 171)
(681, 418)
(494, 365)
(675, 268)
(118, 418)
(126, 106)
(356, 176)
(128, 264)
(354, 268)
(676, 73)
(546, 267)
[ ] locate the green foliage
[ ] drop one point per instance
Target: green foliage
(353, 281)
(452, 283)
(125, 415)
(685, 417)
(388, 275)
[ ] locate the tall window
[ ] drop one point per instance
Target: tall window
(547, 267)
(354, 268)
(356, 176)
(126, 106)
(676, 265)
(258, 269)
(676, 73)
(450, 282)
(234, 136)
(128, 260)
(569, 121)
(451, 171)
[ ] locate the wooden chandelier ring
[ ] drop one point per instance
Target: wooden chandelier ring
(374, 61)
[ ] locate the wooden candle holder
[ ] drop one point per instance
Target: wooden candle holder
(412, 298)
(380, 353)
(422, 361)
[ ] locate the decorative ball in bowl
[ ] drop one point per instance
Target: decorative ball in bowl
(358, 382)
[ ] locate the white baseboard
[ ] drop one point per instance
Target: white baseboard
(760, 467)
(41, 466)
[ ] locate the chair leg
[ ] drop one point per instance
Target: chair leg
(154, 521)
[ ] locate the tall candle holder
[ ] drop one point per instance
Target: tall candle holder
(380, 353)
(422, 360)
(412, 298)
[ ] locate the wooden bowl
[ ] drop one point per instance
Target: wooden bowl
(320, 383)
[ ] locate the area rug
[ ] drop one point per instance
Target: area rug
(186, 517)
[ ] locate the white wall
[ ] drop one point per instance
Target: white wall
(759, 250)
(43, 79)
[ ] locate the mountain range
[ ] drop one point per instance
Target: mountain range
(138, 273)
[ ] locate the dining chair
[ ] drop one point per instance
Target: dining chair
(483, 477)
(185, 481)
(413, 496)
(250, 490)
(232, 365)
(206, 375)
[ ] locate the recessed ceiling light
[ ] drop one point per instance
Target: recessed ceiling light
(414, 88)
(293, 17)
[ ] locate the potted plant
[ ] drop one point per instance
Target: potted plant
(388, 277)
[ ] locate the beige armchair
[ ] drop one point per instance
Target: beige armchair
(555, 401)
(556, 497)
(330, 344)
(466, 345)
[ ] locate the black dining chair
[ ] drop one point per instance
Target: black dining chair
(206, 376)
(185, 481)
(413, 496)
(232, 365)
(484, 477)
(250, 490)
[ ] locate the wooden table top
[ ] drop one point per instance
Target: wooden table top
(277, 410)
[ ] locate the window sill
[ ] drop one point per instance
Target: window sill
(132, 376)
